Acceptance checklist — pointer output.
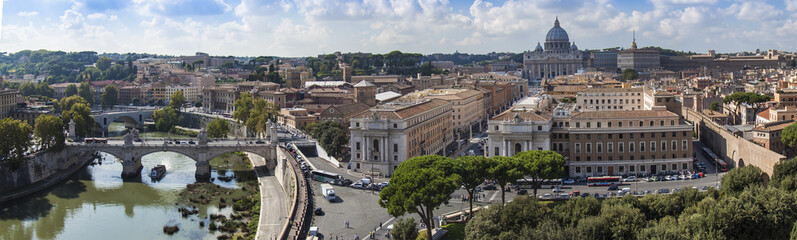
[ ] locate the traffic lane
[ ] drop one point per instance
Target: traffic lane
(359, 207)
(639, 186)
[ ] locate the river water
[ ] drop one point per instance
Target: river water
(97, 204)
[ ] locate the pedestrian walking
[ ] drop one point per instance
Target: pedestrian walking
(380, 224)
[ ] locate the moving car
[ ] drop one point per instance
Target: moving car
(612, 187)
(630, 179)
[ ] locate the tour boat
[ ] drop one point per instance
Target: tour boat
(158, 172)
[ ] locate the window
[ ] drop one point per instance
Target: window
(358, 156)
(651, 123)
(631, 147)
(578, 124)
(600, 169)
(652, 146)
(357, 145)
(661, 123)
(684, 166)
(619, 124)
(588, 124)
(630, 168)
(395, 157)
(589, 136)
(578, 147)
(496, 152)
(578, 169)
(641, 146)
(674, 145)
(395, 125)
(664, 167)
(642, 168)
(620, 147)
(599, 147)
(395, 147)
(599, 124)
(683, 145)
(621, 168)
(589, 147)
(609, 147)
(376, 145)
(663, 146)
(357, 124)
(517, 148)
(663, 134)
(684, 134)
(589, 169)
(609, 124)
(620, 136)
(578, 158)
(539, 128)
(496, 128)
(672, 122)
(674, 166)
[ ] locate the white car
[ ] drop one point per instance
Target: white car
(568, 181)
(630, 179)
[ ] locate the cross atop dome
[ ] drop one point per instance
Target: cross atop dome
(556, 22)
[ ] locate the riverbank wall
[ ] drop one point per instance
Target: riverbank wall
(200, 120)
(39, 171)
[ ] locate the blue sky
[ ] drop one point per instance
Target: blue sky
(310, 27)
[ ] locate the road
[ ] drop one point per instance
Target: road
(274, 202)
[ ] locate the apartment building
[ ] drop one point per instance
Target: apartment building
(467, 105)
(610, 99)
(219, 99)
(128, 93)
(627, 142)
(60, 89)
(390, 133)
(297, 118)
(8, 102)
(191, 94)
(786, 97)
(344, 113)
(769, 135)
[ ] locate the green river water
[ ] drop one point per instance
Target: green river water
(97, 204)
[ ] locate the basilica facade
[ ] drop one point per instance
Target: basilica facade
(558, 57)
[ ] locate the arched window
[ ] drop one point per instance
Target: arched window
(517, 148)
(376, 145)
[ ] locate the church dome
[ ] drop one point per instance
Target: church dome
(557, 33)
(539, 47)
(573, 47)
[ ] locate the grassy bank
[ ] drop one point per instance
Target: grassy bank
(244, 201)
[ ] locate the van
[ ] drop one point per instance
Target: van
(366, 181)
(624, 190)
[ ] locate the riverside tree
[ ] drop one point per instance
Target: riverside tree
(109, 97)
(16, 141)
(165, 119)
(419, 185)
(176, 100)
(86, 92)
(218, 128)
(49, 130)
(77, 109)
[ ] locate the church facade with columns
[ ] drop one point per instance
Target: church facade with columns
(558, 56)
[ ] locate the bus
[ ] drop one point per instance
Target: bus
(721, 165)
(604, 181)
(324, 176)
(527, 183)
(95, 140)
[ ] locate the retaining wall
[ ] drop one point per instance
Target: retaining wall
(734, 149)
(38, 169)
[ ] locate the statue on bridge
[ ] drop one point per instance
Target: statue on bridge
(128, 139)
(134, 133)
(203, 137)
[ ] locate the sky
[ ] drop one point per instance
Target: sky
(294, 28)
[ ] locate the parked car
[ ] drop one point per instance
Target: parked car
(663, 191)
(490, 187)
(345, 182)
(522, 192)
(191, 142)
(575, 193)
(259, 142)
(630, 179)
(546, 196)
(557, 190)
(612, 187)
(568, 181)
(357, 185)
(318, 211)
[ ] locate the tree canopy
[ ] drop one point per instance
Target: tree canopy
(331, 135)
(70, 90)
(630, 74)
(738, 179)
(473, 170)
(49, 130)
(218, 128)
(176, 100)
(86, 92)
(165, 119)
(255, 113)
(541, 165)
(16, 141)
(77, 109)
(109, 96)
(505, 170)
(419, 185)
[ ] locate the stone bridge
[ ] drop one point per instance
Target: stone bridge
(129, 152)
(132, 116)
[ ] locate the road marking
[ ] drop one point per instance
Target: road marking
(494, 194)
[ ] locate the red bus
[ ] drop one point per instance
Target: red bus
(95, 140)
(603, 181)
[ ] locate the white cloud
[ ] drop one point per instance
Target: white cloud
(672, 3)
(791, 5)
(753, 11)
(28, 13)
(101, 16)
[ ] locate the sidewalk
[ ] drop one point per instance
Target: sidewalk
(273, 202)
